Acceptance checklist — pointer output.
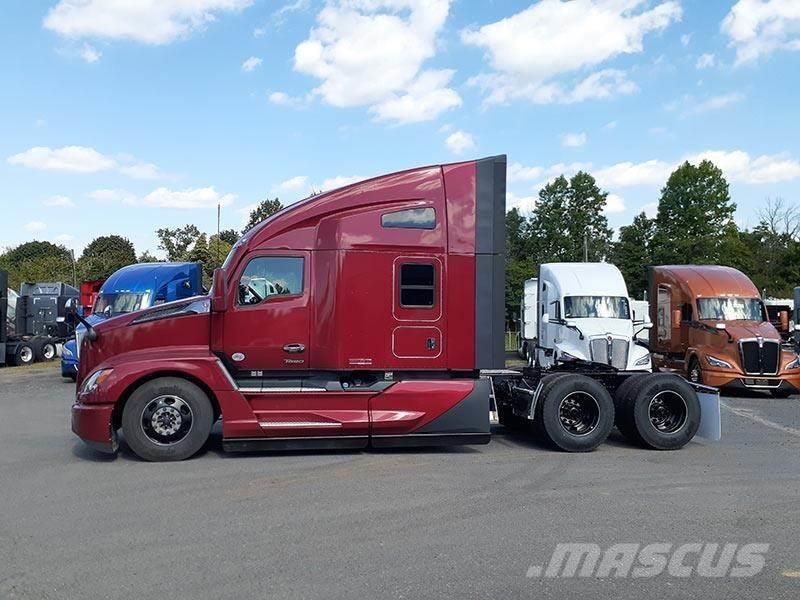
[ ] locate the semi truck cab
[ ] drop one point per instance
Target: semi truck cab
(712, 327)
(357, 317)
(584, 314)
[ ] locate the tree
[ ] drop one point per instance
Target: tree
(568, 223)
(177, 241)
(266, 208)
(516, 235)
(633, 251)
(104, 255)
(146, 257)
(230, 236)
(37, 261)
(199, 251)
(695, 215)
(519, 265)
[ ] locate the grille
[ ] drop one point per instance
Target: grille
(600, 348)
(760, 358)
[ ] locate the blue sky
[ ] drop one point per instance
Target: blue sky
(127, 115)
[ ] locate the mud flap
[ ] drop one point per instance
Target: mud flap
(710, 418)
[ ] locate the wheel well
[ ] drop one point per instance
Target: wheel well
(116, 417)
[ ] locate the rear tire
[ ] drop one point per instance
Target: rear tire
(46, 352)
(661, 412)
(167, 419)
(576, 413)
(24, 355)
(621, 395)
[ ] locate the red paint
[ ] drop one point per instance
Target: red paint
(348, 319)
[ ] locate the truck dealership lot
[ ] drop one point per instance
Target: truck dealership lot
(464, 522)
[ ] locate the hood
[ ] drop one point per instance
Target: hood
(751, 329)
(602, 327)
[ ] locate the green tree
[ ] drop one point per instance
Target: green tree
(199, 251)
(230, 236)
(37, 261)
(146, 257)
(695, 216)
(633, 251)
(519, 265)
(177, 241)
(104, 255)
(266, 208)
(568, 224)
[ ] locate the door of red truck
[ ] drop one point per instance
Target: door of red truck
(266, 342)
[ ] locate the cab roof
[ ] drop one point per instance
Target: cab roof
(585, 279)
(709, 281)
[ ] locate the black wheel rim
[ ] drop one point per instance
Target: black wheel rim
(579, 413)
(166, 420)
(667, 412)
(694, 374)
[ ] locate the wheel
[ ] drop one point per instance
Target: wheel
(24, 354)
(167, 419)
(621, 395)
(661, 412)
(46, 351)
(695, 373)
(577, 413)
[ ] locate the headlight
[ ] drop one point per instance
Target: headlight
(645, 360)
(94, 380)
(567, 357)
(794, 364)
(66, 351)
(716, 362)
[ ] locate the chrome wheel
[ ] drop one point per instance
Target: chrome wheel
(579, 413)
(667, 412)
(49, 352)
(26, 355)
(166, 420)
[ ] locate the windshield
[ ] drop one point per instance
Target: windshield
(730, 309)
(593, 307)
(122, 302)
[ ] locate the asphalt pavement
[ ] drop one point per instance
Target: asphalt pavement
(451, 523)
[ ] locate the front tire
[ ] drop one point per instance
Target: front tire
(167, 419)
(695, 372)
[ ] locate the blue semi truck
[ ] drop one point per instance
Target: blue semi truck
(133, 288)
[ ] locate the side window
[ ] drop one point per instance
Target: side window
(412, 218)
(417, 285)
(556, 312)
(686, 312)
(664, 314)
(268, 276)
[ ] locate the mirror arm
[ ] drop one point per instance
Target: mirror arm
(91, 332)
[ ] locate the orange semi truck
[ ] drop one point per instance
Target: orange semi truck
(711, 326)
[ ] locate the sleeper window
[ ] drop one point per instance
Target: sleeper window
(412, 218)
(269, 276)
(417, 285)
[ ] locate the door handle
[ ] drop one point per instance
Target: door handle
(294, 348)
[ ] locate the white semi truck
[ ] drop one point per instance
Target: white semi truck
(581, 312)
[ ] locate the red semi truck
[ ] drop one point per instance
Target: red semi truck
(362, 316)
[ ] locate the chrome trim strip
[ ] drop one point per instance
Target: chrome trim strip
(230, 379)
(280, 390)
(274, 424)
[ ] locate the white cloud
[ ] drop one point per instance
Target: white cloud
(64, 238)
(688, 105)
(686, 39)
(532, 51)
(339, 181)
(517, 172)
(610, 126)
(614, 204)
(459, 142)
(284, 99)
(573, 140)
(758, 28)
(524, 204)
(625, 174)
(147, 21)
(650, 210)
(78, 159)
(190, 198)
(90, 54)
(705, 61)
(371, 53)
(35, 226)
(56, 201)
(82, 159)
(293, 184)
(251, 64)
(740, 166)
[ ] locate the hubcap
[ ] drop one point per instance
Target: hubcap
(579, 413)
(26, 354)
(167, 420)
(49, 352)
(667, 412)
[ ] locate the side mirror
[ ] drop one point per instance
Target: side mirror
(545, 318)
(218, 292)
(571, 324)
(783, 317)
(720, 326)
(647, 325)
(70, 312)
(677, 317)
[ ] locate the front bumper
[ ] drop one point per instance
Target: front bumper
(721, 379)
(92, 423)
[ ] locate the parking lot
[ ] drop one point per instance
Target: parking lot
(466, 523)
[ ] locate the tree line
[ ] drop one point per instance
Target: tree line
(694, 224)
(46, 261)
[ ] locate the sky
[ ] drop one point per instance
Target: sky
(123, 116)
